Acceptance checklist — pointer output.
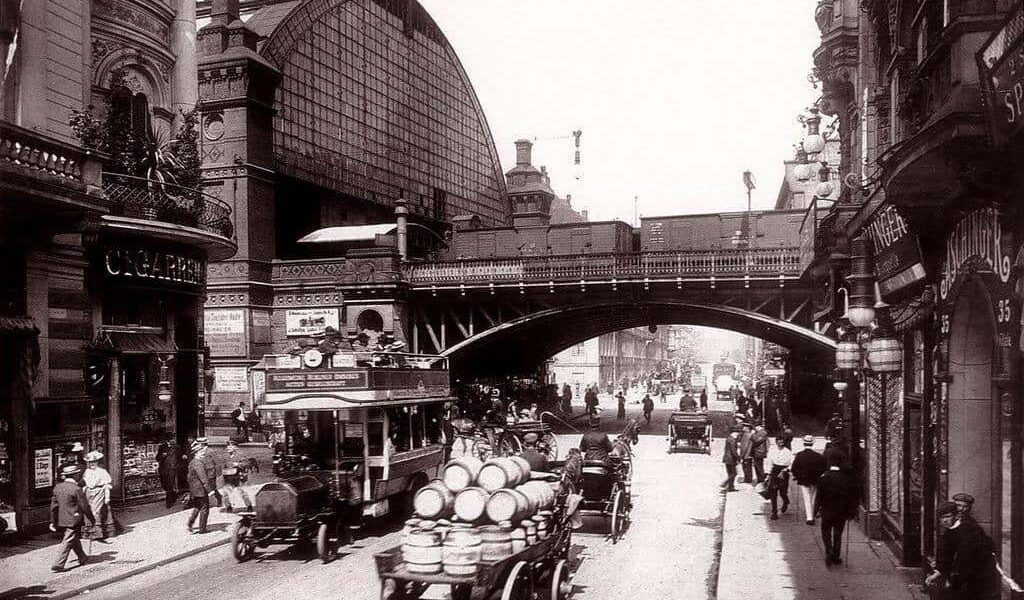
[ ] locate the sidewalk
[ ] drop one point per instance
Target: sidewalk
(784, 559)
(144, 546)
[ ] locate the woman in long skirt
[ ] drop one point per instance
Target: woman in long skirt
(97, 484)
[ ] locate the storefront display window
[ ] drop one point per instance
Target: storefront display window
(146, 423)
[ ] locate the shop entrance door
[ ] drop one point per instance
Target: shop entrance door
(972, 425)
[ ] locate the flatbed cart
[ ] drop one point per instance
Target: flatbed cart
(540, 570)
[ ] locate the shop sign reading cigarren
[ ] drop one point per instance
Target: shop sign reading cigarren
(153, 266)
(976, 240)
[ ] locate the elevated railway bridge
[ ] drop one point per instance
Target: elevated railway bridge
(507, 315)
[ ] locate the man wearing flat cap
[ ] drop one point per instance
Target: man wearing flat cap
(731, 458)
(200, 487)
(538, 462)
(68, 511)
(808, 466)
(964, 504)
(964, 558)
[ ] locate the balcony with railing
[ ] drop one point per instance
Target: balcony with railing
(169, 211)
(765, 263)
(49, 170)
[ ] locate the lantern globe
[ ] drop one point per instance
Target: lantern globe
(860, 316)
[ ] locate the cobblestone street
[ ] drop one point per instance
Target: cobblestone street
(670, 549)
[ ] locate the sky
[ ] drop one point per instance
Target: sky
(675, 98)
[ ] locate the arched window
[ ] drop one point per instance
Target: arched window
(370, 320)
(140, 115)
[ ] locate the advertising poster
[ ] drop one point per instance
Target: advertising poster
(43, 468)
(307, 321)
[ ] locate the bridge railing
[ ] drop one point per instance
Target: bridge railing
(759, 262)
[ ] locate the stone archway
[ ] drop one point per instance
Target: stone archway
(973, 432)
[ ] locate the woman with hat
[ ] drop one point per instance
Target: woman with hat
(97, 484)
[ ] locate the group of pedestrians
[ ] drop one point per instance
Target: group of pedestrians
(80, 496)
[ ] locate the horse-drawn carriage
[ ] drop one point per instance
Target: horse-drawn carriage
(360, 440)
(689, 429)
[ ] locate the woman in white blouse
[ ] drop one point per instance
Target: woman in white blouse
(781, 458)
(97, 484)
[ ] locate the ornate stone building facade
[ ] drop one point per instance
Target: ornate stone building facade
(928, 216)
(103, 274)
(323, 114)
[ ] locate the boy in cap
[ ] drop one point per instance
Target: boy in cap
(964, 558)
(68, 510)
(808, 466)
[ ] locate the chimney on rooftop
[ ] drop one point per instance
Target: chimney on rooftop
(523, 150)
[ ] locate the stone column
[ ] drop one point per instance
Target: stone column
(184, 78)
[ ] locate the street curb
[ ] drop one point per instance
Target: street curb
(83, 589)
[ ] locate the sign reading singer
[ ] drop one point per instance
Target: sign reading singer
(897, 254)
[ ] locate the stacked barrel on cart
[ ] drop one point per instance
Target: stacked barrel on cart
(477, 512)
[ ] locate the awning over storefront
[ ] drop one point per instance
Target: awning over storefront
(137, 343)
(349, 233)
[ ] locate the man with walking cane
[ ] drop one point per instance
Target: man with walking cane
(835, 503)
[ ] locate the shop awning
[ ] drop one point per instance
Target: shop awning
(349, 233)
(353, 399)
(138, 343)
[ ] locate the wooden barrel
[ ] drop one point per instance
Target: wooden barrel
(531, 532)
(470, 504)
(422, 552)
(508, 505)
(539, 494)
(496, 542)
(462, 551)
(434, 500)
(524, 467)
(518, 536)
(542, 526)
(498, 473)
(460, 473)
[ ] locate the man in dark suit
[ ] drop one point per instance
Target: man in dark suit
(964, 557)
(807, 467)
(68, 511)
(730, 458)
(835, 502)
(200, 487)
(595, 445)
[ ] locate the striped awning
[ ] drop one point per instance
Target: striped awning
(138, 343)
(17, 325)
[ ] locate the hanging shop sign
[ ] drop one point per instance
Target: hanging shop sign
(977, 244)
(1001, 67)
(224, 331)
(153, 267)
(898, 263)
(307, 321)
(808, 230)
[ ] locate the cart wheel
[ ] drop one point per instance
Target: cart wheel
(509, 445)
(549, 440)
(519, 585)
(560, 586)
(616, 516)
(462, 591)
(324, 546)
(241, 547)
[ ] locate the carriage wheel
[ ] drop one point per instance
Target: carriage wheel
(617, 516)
(241, 546)
(509, 445)
(519, 585)
(560, 586)
(324, 546)
(549, 440)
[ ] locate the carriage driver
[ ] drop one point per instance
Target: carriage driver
(595, 445)
(538, 462)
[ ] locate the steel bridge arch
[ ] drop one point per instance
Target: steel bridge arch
(521, 344)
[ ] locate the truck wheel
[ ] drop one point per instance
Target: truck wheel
(324, 545)
(241, 546)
